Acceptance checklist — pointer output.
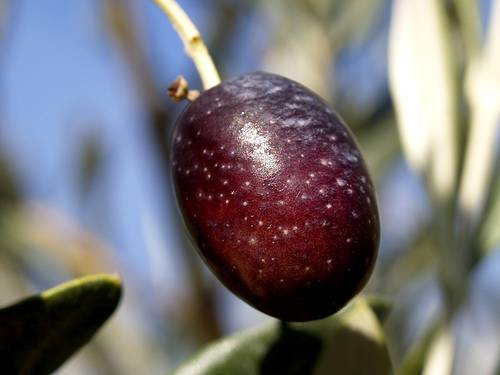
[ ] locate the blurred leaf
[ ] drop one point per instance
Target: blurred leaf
(414, 361)
(406, 265)
(36, 232)
(381, 307)
(90, 160)
(489, 238)
(12, 282)
(483, 92)
(353, 20)
(470, 25)
(333, 345)
(9, 187)
(308, 56)
(379, 146)
(422, 80)
(39, 333)
(440, 354)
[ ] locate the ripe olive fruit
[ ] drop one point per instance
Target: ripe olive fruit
(276, 196)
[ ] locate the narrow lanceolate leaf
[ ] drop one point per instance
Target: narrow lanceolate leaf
(483, 93)
(422, 81)
(350, 342)
(39, 333)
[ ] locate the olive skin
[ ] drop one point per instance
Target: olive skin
(276, 196)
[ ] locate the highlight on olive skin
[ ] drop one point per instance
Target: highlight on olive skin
(275, 194)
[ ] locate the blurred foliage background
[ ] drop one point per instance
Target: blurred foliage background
(84, 174)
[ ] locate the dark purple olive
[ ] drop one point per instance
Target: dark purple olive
(276, 196)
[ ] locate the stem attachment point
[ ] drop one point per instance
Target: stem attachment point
(179, 90)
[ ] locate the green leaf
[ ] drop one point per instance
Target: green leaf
(350, 342)
(39, 333)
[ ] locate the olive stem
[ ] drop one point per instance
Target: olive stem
(193, 43)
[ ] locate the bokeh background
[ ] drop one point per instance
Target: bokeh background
(84, 170)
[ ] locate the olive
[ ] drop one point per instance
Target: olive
(276, 196)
